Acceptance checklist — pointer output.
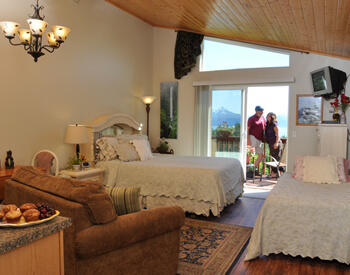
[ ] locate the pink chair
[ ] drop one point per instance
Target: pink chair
(44, 159)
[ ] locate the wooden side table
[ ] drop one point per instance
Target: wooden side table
(35, 249)
(7, 174)
(95, 174)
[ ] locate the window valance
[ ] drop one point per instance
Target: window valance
(187, 48)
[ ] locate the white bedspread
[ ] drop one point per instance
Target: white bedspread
(306, 219)
(214, 182)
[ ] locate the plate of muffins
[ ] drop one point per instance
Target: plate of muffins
(27, 214)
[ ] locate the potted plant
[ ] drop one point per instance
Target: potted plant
(74, 163)
(250, 152)
(224, 130)
(163, 146)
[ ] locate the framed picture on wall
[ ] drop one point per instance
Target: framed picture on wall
(168, 109)
(309, 110)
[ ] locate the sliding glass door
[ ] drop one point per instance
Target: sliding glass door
(227, 122)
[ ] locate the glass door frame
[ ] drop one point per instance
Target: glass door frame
(243, 130)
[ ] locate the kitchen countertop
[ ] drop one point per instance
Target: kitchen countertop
(13, 237)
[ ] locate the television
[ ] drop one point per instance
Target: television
(328, 82)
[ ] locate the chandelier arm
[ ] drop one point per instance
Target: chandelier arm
(13, 44)
(49, 48)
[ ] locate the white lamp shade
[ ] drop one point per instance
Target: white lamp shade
(148, 99)
(9, 28)
(37, 26)
(52, 40)
(76, 134)
(60, 33)
(24, 36)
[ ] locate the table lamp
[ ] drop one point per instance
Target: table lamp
(76, 134)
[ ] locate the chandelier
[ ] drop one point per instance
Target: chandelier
(32, 39)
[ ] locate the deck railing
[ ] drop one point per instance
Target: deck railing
(227, 144)
(230, 144)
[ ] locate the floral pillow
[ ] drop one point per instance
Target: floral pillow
(298, 171)
(107, 148)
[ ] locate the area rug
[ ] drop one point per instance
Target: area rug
(209, 247)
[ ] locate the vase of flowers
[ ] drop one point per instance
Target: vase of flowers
(342, 104)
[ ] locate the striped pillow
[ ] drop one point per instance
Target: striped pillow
(125, 200)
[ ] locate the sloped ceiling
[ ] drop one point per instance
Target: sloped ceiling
(315, 26)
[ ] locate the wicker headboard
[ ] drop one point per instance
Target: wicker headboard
(109, 125)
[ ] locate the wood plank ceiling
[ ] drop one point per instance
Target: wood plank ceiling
(315, 26)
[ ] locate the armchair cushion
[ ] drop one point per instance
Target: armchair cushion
(127, 230)
(90, 194)
(125, 199)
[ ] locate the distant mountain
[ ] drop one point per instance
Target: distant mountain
(222, 114)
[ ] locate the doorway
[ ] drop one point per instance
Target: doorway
(231, 107)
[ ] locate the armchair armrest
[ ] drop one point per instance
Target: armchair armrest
(128, 229)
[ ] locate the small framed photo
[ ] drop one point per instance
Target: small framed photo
(309, 110)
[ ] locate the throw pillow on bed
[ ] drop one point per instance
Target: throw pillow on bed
(107, 147)
(143, 149)
(342, 168)
(127, 138)
(125, 200)
(320, 170)
(126, 152)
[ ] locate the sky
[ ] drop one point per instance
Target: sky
(228, 55)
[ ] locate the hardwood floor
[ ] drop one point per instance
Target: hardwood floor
(244, 213)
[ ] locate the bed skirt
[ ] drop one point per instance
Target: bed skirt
(190, 205)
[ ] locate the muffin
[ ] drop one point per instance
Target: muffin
(27, 206)
(2, 215)
(13, 216)
(31, 215)
(9, 207)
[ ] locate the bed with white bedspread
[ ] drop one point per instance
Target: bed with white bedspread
(200, 185)
(197, 184)
(305, 219)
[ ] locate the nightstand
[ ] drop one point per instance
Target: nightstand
(95, 174)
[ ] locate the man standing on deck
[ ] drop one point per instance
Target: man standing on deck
(255, 136)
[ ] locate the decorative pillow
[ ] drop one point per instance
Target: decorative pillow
(127, 138)
(340, 170)
(107, 147)
(126, 152)
(298, 171)
(320, 170)
(143, 149)
(125, 200)
(346, 170)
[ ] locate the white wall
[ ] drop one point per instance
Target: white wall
(305, 142)
(110, 59)
(102, 68)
